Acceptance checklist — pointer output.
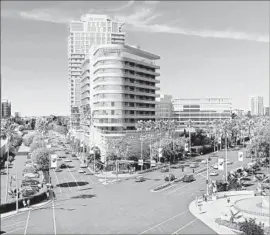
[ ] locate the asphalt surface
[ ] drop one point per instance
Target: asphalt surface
(123, 207)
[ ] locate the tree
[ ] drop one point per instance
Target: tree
(41, 157)
(35, 145)
(28, 139)
(249, 227)
(118, 146)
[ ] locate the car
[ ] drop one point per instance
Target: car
(229, 162)
(169, 177)
(58, 170)
(215, 166)
(203, 161)
(164, 170)
(83, 165)
(81, 171)
(194, 165)
(139, 179)
(188, 178)
(31, 175)
(63, 166)
(68, 160)
(213, 173)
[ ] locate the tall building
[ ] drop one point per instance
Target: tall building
(118, 87)
(200, 111)
(90, 30)
(266, 111)
(6, 108)
(256, 105)
(164, 107)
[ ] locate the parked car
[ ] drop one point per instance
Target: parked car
(68, 160)
(31, 175)
(203, 161)
(139, 179)
(229, 162)
(188, 178)
(215, 166)
(213, 173)
(63, 166)
(58, 170)
(83, 165)
(169, 177)
(81, 171)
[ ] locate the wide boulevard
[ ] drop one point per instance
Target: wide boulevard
(84, 205)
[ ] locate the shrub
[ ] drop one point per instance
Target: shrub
(41, 157)
(21, 128)
(28, 139)
(249, 227)
(36, 145)
(162, 186)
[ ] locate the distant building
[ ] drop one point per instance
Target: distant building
(164, 107)
(238, 112)
(256, 106)
(17, 114)
(6, 109)
(200, 111)
(266, 111)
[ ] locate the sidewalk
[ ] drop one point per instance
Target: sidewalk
(20, 211)
(213, 210)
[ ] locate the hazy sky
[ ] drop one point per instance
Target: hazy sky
(207, 49)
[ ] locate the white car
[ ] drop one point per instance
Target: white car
(68, 160)
(81, 171)
(213, 173)
(203, 161)
(229, 162)
(83, 165)
(215, 166)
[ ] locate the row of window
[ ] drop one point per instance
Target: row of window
(123, 79)
(123, 88)
(124, 112)
(122, 96)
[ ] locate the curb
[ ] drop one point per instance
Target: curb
(23, 210)
(208, 221)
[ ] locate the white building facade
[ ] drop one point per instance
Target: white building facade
(201, 111)
(90, 30)
(256, 106)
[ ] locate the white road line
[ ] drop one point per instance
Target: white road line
(54, 223)
(27, 221)
(73, 178)
(176, 232)
(13, 224)
(165, 221)
(58, 182)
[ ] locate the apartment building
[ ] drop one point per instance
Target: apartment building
(256, 105)
(5, 109)
(119, 86)
(200, 111)
(90, 30)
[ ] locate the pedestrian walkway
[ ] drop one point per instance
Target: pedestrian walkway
(212, 210)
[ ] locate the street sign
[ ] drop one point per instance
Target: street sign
(140, 162)
(153, 163)
(221, 164)
(186, 146)
(240, 156)
(219, 140)
(160, 152)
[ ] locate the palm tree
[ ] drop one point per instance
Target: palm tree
(10, 133)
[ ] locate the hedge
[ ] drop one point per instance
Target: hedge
(35, 199)
(162, 187)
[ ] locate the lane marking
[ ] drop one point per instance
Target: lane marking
(73, 178)
(58, 182)
(176, 232)
(164, 221)
(27, 221)
(14, 230)
(13, 224)
(54, 222)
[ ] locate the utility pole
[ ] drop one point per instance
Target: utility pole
(17, 193)
(226, 155)
(207, 180)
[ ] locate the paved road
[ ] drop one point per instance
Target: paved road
(124, 207)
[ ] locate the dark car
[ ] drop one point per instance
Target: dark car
(169, 177)
(139, 179)
(164, 170)
(63, 166)
(188, 178)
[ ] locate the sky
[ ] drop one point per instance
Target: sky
(207, 48)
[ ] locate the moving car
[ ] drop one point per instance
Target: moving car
(83, 165)
(81, 171)
(229, 162)
(188, 178)
(169, 177)
(213, 173)
(31, 175)
(139, 179)
(215, 166)
(68, 160)
(203, 161)
(194, 165)
(63, 166)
